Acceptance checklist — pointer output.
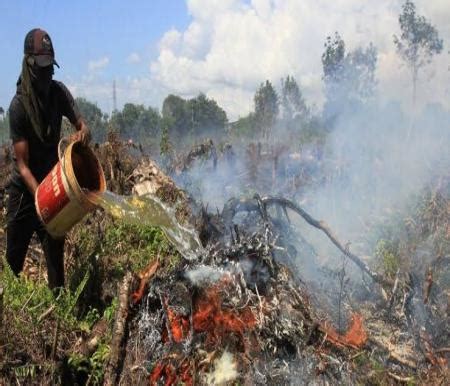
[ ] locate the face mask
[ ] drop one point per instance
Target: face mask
(41, 77)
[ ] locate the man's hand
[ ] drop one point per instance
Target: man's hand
(83, 133)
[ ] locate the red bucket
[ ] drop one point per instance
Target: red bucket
(62, 199)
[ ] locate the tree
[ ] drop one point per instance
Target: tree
(266, 107)
(176, 116)
(418, 43)
(4, 127)
(360, 66)
(333, 59)
(165, 148)
(137, 122)
(208, 118)
(244, 127)
(94, 117)
(197, 116)
(293, 106)
(349, 77)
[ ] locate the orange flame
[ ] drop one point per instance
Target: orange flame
(355, 337)
(210, 317)
(171, 375)
(179, 326)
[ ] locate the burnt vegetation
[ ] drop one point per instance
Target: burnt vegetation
(325, 256)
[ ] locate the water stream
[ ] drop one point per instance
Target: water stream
(149, 210)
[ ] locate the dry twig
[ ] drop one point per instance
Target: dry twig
(46, 313)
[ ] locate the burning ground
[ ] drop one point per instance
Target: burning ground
(260, 304)
(243, 312)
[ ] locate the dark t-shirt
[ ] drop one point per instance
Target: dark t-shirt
(43, 155)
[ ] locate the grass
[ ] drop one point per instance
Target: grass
(33, 319)
(99, 252)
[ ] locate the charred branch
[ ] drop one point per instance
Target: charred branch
(261, 204)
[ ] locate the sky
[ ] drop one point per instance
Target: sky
(223, 48)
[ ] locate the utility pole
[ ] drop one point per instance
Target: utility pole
(114, 96)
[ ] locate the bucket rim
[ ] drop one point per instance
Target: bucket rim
(69, 172)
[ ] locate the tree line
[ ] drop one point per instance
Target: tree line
(349, 84)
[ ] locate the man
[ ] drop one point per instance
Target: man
(35, 116)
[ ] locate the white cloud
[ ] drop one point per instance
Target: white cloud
(232, 46)
(98, 64)
(134, 58)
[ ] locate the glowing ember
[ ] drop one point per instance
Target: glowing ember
(355, 337)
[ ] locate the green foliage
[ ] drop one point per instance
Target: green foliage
(333, 59)
(110, 311)
(25, 303)
(95, 119)
(266, 107)
(137, 122)
(418, 42)
(34, 298)
(387, 252)
(139, 244)
(4, 127)
(245, 127)
(313, 132)
(166, 150)
(28, 371)
(67, 300)
(91, 367)
(207, 116)
(165, 145)
(349, 77)
(195, 117)
(293, 105)
(176, 116)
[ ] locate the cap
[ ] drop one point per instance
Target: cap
(39, 44)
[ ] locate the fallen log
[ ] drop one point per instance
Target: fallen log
(112, 369)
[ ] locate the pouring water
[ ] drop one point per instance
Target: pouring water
(149, 210)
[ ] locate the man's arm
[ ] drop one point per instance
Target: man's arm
(22, 157)
(71, 111)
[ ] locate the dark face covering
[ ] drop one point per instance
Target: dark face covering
(33, 88)
(41, 78)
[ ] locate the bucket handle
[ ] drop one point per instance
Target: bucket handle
(61, 142)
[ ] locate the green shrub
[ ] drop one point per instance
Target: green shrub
(386, 252)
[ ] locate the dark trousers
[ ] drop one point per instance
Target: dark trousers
(23, 221)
